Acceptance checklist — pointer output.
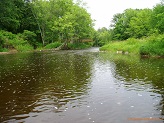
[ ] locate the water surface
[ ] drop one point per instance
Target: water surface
(80, 87)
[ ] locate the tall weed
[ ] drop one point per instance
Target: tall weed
(153, 46)
(53, 45)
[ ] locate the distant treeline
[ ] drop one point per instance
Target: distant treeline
(133, 23)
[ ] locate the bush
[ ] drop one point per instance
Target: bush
(9, 40)
(39, 46)
(30, 37)
(3, 49)
(53, 45)
(23, 48)
(153, 46)
(5, 38)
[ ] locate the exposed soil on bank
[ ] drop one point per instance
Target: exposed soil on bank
(9, 52)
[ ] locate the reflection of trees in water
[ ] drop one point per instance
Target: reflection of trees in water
(144, 72)
(39, 79)
(136, 73)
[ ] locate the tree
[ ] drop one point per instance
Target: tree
(10, 15)
(103, 36)
(121, 24)
(139, 25)
(46, 20)
(83, 23)
(132, 23)
(40, 12)
(157, 19)
(73, 24)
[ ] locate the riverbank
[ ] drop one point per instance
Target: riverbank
(149, 47)
(26, 42)
(53, 47)
(9, 52)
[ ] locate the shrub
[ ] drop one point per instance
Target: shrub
(53, 45)
(17, 41)
(23, 48)
(153, 46)
(30, 37)
(3, 49)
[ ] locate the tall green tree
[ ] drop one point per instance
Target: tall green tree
(121, 24)
(83, 23)
(46, 20)
(40, 12)
(73, 24)
(104, 36)
(157, 19)
(10, 15)
(139, 25)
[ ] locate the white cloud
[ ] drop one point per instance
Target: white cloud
(103, 10)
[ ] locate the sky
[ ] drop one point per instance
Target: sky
(103, 10)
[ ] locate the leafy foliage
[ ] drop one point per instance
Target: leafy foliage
(10, 41)
(141, 29)
(53, 45)
(153, 46)
(30, 37)
(137, 23)
(103, 36)
(62, 20)
(157, 18)
(132, 23)
(43, 21)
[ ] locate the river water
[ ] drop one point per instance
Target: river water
(83, 86)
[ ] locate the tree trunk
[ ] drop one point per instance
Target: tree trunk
(39, 27)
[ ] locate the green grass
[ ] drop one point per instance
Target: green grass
(53, 45)
(152, 46)
(131, 45)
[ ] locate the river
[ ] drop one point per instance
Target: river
(81, 86)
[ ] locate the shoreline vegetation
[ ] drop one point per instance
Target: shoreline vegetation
(50, 48)
(28, 25)
(43, 25)
(152, 46)
(136, 32)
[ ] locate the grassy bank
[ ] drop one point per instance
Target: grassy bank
(130, 46)
(151, 46)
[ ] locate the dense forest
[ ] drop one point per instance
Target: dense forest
(31, 24)
(37, 24)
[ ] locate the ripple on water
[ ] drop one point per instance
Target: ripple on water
(79, 87)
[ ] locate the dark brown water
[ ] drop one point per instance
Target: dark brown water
(80, 87)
